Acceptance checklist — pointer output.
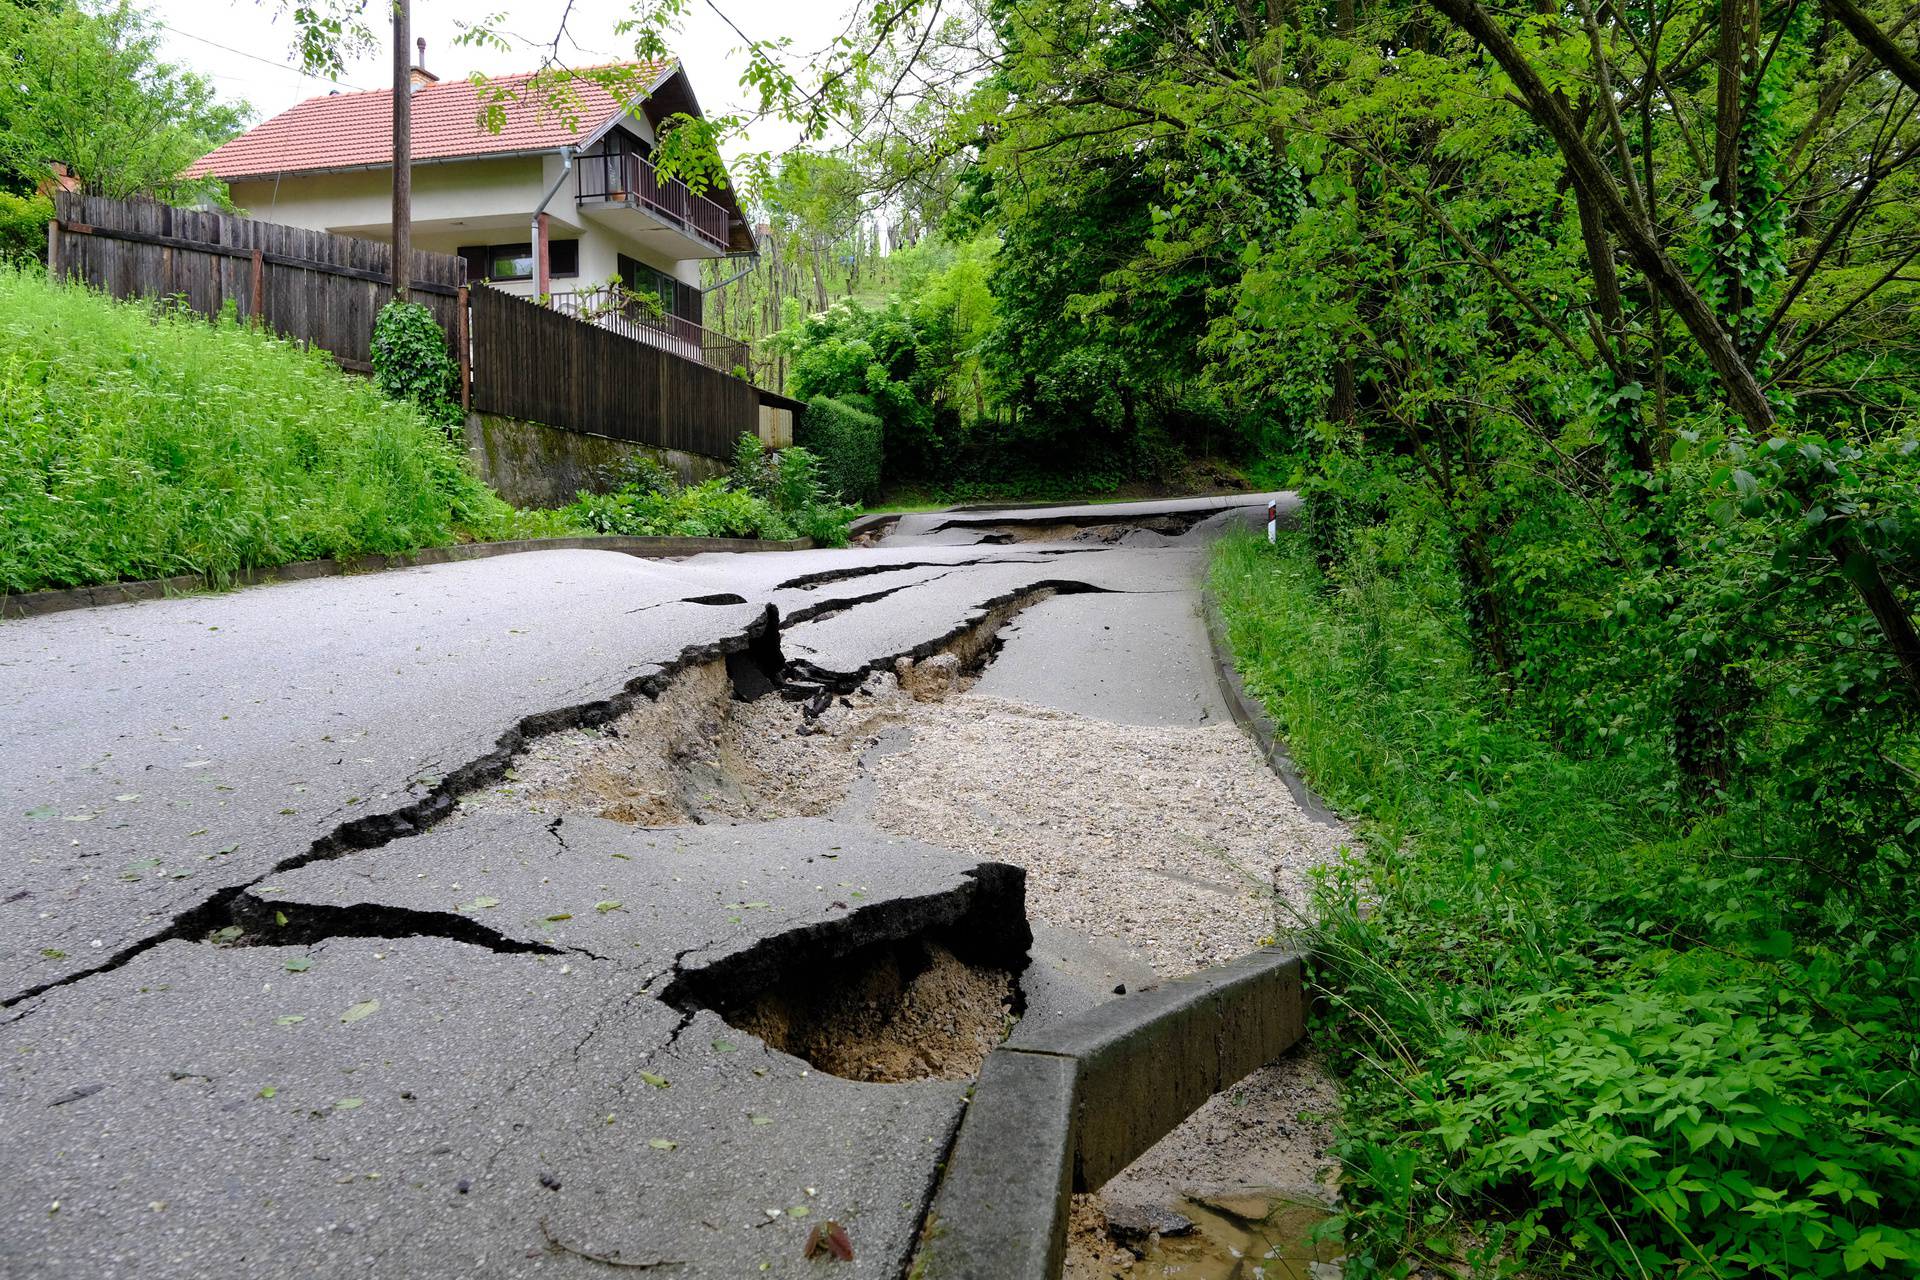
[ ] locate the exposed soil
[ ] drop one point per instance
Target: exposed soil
(1178, 842)
(1249, 1172)
(920, 1013)
(697, 754)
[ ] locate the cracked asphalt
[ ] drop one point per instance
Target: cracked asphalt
(272, 1005)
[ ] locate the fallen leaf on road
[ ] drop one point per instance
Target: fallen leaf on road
(346, 1104)
(662, 1144)
(829, 1240)
(360, 1011)
(300, 964)
(658, 1082)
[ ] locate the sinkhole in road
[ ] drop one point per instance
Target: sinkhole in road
(747, 738)
(891, 991)
(905, 989)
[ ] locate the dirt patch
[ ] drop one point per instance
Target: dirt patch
(916, 1012)
(695, 754)
(1243, 1172)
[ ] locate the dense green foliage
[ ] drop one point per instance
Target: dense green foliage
(1593, 332)
(848, 443)
(86, 87)
(1583, 1027)
(140, 441)
(411, 361)
(23, 227)
(775, 494)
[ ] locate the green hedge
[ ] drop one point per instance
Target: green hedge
(847, 441)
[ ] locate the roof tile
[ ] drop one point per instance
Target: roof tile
(355, 130)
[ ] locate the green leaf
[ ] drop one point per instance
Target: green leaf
(662, 1144)
(267, 1092)
(299, 964)
(360, 1011)
(288, 1019)
(608, 905)
(346, 1104)
(658, 1082)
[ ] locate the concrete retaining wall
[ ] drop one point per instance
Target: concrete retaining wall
(1077, 1103)
(535, 466)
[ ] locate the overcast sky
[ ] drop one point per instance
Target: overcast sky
(245, 46)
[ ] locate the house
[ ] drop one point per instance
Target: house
(326, 164)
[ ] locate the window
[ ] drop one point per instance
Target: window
(638, 277)
(515, 261)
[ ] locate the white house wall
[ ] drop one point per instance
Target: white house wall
(491, 200)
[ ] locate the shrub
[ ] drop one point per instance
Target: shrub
(411, 361)
(139, 442)
(847, 441)
(1579, 1033)
(23, 227)
(765, 495)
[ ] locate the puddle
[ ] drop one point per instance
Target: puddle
(1245, 1234)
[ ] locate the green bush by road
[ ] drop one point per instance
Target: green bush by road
(1581, 1030)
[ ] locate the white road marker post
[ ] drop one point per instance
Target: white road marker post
(1273, 522)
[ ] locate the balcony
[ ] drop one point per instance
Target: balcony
(626, 190)
(637, 317)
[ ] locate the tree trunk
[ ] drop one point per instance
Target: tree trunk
(1737, 378)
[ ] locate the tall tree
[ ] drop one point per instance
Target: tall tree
(90, 90)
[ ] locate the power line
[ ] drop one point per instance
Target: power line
(242, 53)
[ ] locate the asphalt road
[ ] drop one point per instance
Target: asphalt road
(456, 1069)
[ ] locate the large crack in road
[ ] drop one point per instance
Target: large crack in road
(694, 918)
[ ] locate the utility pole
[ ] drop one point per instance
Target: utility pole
(402, 150)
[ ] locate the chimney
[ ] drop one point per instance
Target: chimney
(419, 77)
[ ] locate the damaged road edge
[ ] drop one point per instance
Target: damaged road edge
(759, 641)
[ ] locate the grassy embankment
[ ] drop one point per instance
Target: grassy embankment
(1577, 1034)
(142, 442)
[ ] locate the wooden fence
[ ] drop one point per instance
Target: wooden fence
(518, 359)
(308, 285)
(536, 364)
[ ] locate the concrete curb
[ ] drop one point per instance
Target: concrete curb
(36, 604)
(1076, 1104)
(1251, 715)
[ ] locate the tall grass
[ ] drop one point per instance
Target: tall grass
(1579, 1033)
(140, 441)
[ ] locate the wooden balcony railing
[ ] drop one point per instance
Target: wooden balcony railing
(625, 178)
(638, 317)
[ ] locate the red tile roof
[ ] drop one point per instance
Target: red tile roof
(355, 130)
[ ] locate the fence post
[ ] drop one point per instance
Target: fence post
(53, 249)
(466, 351)
(259, 288)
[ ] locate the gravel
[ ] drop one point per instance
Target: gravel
(1179, 842)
